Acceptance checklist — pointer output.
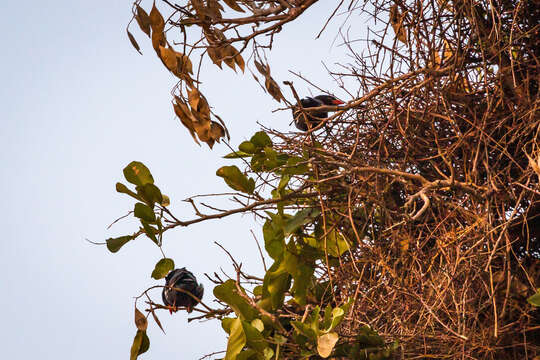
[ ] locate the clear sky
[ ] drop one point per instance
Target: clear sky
(78, 104)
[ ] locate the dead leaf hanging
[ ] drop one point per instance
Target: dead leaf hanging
(143, 19)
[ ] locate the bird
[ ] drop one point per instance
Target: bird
(184, 280)
(316, 117)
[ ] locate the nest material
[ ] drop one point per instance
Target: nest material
(435, 164)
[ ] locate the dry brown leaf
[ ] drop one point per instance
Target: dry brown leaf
(233, 5)
(140, 320)
(447, 51)
(534, 164)
(143, 20)
(214, 9)
(156, 20)
(240, 62)
(193, 97)
(199, 7)
(203, 130)
(186, 118)
(215, 55)
(158, 39)
(168, 56)
(396, 19)
(263, 69)
(184, 64)
(216, 131)
(199, 105)
(156, 319)
(273, 88)
(229, 53)
(134, 42)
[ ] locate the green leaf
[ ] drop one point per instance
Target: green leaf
(138, 174)
(296, 166)
(261, 140)
(121, 188)
(145, 345)
(336, 244)
(368, 338)
(226, 324)
(237, 155)
(237, 340)
(257, 161)
(535, 299)
(257, 290)
(114, 244)
(301, 218)
(248, 354)
(337, 315)
(258, 324)
(254, 339)
(150, 232)
(268, 353)
(162, 268)
(276, 281)
(247, 147)
(166, 200)
(274, 239)
(150, 193)
(144, 212)
(304, 329)
(227, 293)
(236, 179)
(326, 343)
(140, 345)
(302, 274)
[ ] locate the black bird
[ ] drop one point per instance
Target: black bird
(316, 117)
(185, 280)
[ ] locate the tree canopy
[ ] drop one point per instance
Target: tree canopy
(406, 224)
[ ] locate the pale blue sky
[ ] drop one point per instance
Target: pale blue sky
(78, 104)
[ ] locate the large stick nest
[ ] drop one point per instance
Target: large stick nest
(436, 164)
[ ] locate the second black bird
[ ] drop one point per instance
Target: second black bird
(184, 280)
(316, 117)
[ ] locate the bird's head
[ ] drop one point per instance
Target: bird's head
(329, 100)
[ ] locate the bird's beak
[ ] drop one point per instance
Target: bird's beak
(337, 102)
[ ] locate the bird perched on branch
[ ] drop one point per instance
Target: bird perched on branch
(316, 117)
(181, 279)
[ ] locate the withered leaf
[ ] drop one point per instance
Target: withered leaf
(140, 320)
(184, 64)
(199, 105)
(202, 128)
(134, 42)
(229, 53)
(156, 20)
(233, 5)
(214, 9)
(193, 97)
(240, 62)
(186, 118)
(396, 20)
(216, 131)
(264, 70)
(273, 88)
(158, 39)
(215, 55)
(168, 56)
(156, 319)
(143, 20)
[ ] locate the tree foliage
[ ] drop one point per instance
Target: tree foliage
(410, 226)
